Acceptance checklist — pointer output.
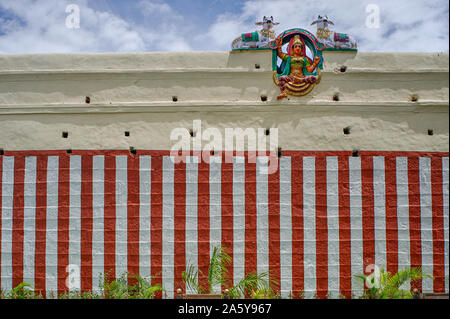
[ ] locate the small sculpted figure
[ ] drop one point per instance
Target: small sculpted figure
(257, 39)
(331, 39)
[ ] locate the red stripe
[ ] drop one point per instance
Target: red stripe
(86, 223)
(391, 214)
(41, 225)
(250, 216)
(227, 217)
(180, 224)
(63, 221)
(156, 222)
(321, 228)
(414, 217)
(298, 267)
(110, 218)
(133, 218)
(1, 200)
(368, 216)
(438, 225)
(274, 226)
(345, 267)
(18, 215)
(203, 223)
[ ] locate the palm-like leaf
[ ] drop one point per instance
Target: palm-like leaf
(190, 278)
(389, 286)
(252, 284)
(218, 268)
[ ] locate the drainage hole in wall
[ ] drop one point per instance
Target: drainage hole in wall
(127, 133)
(174, 98)
(65, 134)
(346, 130)
(343, 68)
(355, 153)
(336, 97)
(257, 66)
(414, 98)
(430, 132)
(87, 100)
(264, 98)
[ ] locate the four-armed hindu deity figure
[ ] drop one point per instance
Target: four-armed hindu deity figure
(293, 79)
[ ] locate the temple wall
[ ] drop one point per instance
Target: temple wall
(325, 215)
(44, 95)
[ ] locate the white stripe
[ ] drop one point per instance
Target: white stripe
(445, 192)
(379, 190)
(75, 220)
(192, 212)
(356, 224)
(403, 216)
(238, 218)
(98, 229)
(215, 206)
(285, 227)
(426, 222)
(262, 215)
(168, 226)
(333, 226)
(145, 184)
(29, 221)
(7, 222)
(309, 222)
(121, 215)
(51, 240)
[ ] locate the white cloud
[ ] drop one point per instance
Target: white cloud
(44, 29)
(39, 25)
(404, 25)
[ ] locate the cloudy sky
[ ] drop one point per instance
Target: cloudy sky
(40, 26)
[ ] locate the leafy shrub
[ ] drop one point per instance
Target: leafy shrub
(388, 286)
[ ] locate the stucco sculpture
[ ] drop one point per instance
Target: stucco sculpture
(298, 73)
(331, 39)
(257, 39)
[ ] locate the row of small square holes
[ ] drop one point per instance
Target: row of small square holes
(346, 131)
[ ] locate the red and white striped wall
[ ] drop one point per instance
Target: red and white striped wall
(319, 220)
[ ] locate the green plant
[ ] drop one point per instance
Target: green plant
(121, 289)
(216, 272)
(253, 284)
(388, 286)
(22, 291)
(144, 288)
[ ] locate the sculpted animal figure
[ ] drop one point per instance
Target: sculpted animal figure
(331, 39)
(257, 39)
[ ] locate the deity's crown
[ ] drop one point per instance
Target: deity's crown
(297, 40)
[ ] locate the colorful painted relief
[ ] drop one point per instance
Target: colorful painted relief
(330, 39)
(294, 71)
(257, 39)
